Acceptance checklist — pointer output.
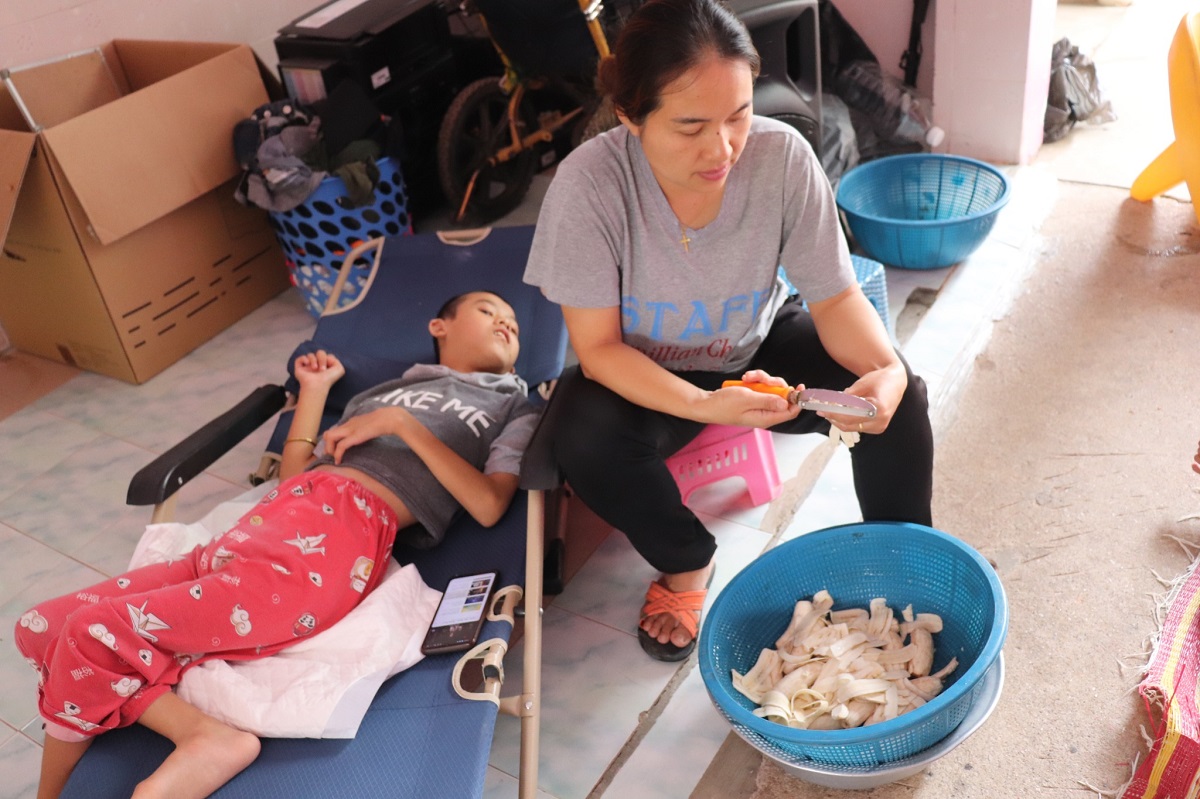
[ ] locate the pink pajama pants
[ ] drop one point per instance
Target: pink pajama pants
(295, 564)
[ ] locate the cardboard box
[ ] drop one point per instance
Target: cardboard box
(123, 248)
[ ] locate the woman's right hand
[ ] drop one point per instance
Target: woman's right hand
(318, 369)
(737, 405)
(607, 359)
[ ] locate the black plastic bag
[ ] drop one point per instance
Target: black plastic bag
(1074, 93)
(839, 141)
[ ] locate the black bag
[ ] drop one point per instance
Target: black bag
(1074, 93)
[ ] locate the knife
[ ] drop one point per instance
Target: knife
(813, 399)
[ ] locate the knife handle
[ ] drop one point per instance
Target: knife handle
(787, 392)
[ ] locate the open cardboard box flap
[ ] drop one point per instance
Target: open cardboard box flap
(15, 150)
(144, 62)
(136, 159)
(116, 204)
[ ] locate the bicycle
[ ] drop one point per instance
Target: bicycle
(495, 130)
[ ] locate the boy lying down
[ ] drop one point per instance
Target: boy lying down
(405, 454)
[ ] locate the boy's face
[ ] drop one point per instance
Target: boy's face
(480, 337)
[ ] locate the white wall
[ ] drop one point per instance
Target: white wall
(992, 77)
(36, 30)
(986, 66)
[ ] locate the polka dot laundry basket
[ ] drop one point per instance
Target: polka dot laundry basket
(317, 234)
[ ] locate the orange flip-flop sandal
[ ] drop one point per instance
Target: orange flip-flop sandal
(684, 607)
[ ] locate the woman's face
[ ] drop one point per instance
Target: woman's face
(696, 135)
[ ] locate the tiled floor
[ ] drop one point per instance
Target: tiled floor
(615, 722)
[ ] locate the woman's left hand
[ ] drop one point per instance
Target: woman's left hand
(884, 388)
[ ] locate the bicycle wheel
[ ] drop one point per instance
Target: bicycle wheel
(474, 129)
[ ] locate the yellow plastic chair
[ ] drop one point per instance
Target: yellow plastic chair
(1180, 162)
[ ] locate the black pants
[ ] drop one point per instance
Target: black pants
(613, 452)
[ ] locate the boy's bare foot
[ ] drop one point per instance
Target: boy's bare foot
(208, 753)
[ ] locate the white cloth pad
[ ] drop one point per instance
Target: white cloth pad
(322, 686)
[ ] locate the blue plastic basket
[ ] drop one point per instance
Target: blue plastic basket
(905, 563)
(924, 210)
(317, 234)
(872, 279)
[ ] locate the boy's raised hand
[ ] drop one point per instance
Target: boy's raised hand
(318, 369)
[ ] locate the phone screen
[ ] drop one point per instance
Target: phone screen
(459, 616)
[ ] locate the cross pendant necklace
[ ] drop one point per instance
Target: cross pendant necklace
(684, 240)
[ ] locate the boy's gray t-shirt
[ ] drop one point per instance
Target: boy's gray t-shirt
(486, 418)
(606, 237)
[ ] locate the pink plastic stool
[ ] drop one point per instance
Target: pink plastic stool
(722, 451)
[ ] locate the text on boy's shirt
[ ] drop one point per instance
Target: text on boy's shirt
(423, 399)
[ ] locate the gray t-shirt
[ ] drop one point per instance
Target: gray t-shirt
(486, 418)
(607, 237)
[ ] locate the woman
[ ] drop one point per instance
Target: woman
(661, 240)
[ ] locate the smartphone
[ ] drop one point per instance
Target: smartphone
(459, 616)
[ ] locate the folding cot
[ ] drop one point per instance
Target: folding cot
(419, 738)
